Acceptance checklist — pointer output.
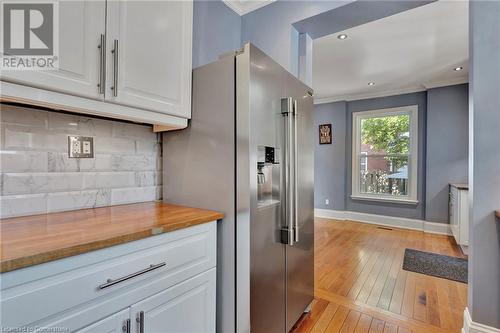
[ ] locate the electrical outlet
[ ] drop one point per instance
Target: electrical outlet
(87, 147)
(327, 201)
(80, 146)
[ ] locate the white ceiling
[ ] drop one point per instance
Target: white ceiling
(410, 51)
(243, 7)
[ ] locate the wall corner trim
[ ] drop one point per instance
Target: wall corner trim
(391, 221)
(473, 327)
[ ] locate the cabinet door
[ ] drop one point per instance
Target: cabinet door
(81, 24)
(116, 323)
(152, 67)
(464, 217)
(186, 307)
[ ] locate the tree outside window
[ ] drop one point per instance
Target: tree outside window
(385, 153)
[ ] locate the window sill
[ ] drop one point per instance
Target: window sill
(384, 199)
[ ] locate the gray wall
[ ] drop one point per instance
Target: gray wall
(382, 208)
(447, 147)
(216, 30)
(270, 28)
(484, 162)
(443, 152)
(329, 160)
(38, 177)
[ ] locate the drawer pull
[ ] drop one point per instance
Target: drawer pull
(111, 282)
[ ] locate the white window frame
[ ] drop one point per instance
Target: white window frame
(411, 198)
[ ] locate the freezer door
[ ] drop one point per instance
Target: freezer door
(260, 89)
(300, 253)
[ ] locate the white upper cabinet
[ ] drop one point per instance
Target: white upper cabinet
(81, 24)
(149, 47)
(127, 59)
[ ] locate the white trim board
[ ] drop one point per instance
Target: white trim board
(244, 7)
(18, 93)
(390, 221)
(473, 327)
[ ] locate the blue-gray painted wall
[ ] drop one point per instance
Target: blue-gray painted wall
(270, 28)
(443, 152)
(484, 162)
(329, 159)
(447, 147)
(216, 30)
(383, 208)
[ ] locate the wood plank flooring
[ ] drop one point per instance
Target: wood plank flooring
(360, 285)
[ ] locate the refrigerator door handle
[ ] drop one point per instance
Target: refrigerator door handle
(288, 201)
(296, 172)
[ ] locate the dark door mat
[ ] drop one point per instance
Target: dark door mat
(434, 264)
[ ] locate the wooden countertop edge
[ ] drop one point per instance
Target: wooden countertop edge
(40, 258)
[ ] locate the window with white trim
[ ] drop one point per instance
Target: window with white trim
(384, 154)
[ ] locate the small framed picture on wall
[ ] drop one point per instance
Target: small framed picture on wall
(325, 134)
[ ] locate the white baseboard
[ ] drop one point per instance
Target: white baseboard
(330, 214)
(391, 221)
(473, 327)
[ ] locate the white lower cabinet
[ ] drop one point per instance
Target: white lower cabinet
(459, 215)
(172, 310)
(187, 307)
(160, 284)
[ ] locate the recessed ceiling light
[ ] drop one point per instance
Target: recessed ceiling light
(371, 83)
(342, 36)
(458, 68)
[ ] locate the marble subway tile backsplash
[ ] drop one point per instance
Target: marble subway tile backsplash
(37, 176)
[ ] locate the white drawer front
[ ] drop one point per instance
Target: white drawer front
(192, 252)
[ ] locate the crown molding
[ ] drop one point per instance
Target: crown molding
(418, 88)
(355, 97)
(448, 82)
(244, 7)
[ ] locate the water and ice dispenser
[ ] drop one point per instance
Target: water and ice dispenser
(268, 176)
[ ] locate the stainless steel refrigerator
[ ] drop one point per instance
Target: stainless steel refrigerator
(248, 152)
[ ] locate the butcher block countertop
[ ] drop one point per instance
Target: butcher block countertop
(32, 240)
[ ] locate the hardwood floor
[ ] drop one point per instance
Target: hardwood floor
(360, 285)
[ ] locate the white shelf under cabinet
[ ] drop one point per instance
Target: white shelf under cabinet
(11, 92)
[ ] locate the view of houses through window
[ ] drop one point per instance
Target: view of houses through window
(383, 153)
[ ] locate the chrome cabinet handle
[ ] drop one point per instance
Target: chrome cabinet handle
(115, 68)
(102, 64)
(111, 282)
(140, 320)
(295, 170)
(126, 326)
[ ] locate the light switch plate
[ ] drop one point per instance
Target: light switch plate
(80, 146)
